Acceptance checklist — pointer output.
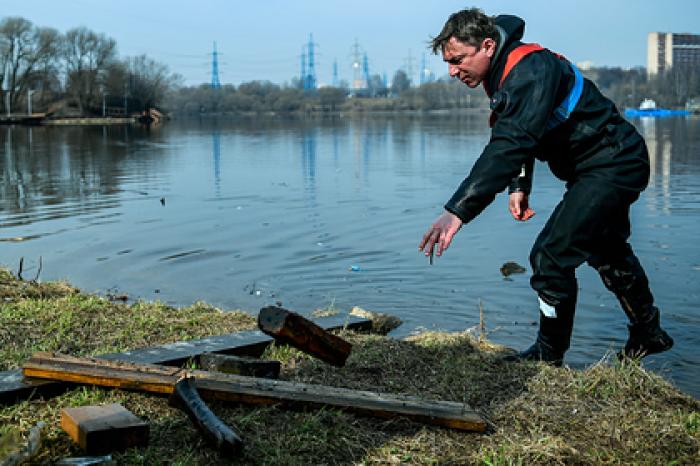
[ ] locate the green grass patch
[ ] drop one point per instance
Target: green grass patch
(56, 317)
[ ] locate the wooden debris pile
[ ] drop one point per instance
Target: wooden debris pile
(238, 380)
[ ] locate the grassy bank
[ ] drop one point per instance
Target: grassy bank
(609, 413)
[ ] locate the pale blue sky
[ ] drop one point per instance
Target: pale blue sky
(263, 39)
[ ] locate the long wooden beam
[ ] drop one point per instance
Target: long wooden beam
(14, 388)
(251, 390)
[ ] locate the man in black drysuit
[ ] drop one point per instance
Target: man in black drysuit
(542, 108)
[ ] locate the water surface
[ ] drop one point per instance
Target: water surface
(313, 213)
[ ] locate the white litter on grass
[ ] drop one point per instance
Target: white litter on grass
(26, 452)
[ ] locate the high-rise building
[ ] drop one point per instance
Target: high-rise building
(666, 50)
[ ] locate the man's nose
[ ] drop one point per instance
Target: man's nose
(452, 70)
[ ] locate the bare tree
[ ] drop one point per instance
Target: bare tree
(15, 33)
(25, 50)
(42, 72)
(87, 55)
(149, 81)
(400, 83)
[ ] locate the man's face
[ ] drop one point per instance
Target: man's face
(466, 62)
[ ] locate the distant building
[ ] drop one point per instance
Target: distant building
(666, 50)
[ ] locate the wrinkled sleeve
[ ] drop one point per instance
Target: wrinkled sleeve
(522, 183)
(529, 99)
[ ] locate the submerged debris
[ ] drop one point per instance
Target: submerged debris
(510, 268)
(381, 323)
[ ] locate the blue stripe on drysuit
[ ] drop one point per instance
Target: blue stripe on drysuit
(563, 111)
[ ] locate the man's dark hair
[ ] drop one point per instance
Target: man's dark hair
(470, 26)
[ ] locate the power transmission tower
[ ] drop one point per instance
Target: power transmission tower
(311, 69)
(409, 66)
(215, 83)
(426, 75)
(357, 83)
(365, 70)
(335, 73)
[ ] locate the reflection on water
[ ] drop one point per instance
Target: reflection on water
(314, 212)
(308, 158)
(216, 158)
(659, 146)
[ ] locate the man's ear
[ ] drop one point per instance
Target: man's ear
(489, 47)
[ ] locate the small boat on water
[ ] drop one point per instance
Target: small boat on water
(693, 106)
(648, 108)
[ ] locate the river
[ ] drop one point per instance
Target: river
(328, 213)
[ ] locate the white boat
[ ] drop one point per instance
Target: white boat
(647, 104)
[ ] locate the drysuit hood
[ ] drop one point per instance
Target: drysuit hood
(510, 30)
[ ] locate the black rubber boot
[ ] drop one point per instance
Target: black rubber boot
(631, 287)
(541, 350)
(646, 335)
(553, 338)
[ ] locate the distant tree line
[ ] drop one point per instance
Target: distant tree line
(264, 96)
(75, 72)
(627, 88)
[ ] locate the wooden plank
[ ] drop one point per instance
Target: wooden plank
(299, 332)
(240, 365)
(13, 387)
(221, 436)
(249, 343)
(103, 429)
(250, 390)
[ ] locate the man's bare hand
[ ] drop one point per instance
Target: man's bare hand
(519, 207)
(441, 233)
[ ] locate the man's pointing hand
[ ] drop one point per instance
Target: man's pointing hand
(441, 233)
